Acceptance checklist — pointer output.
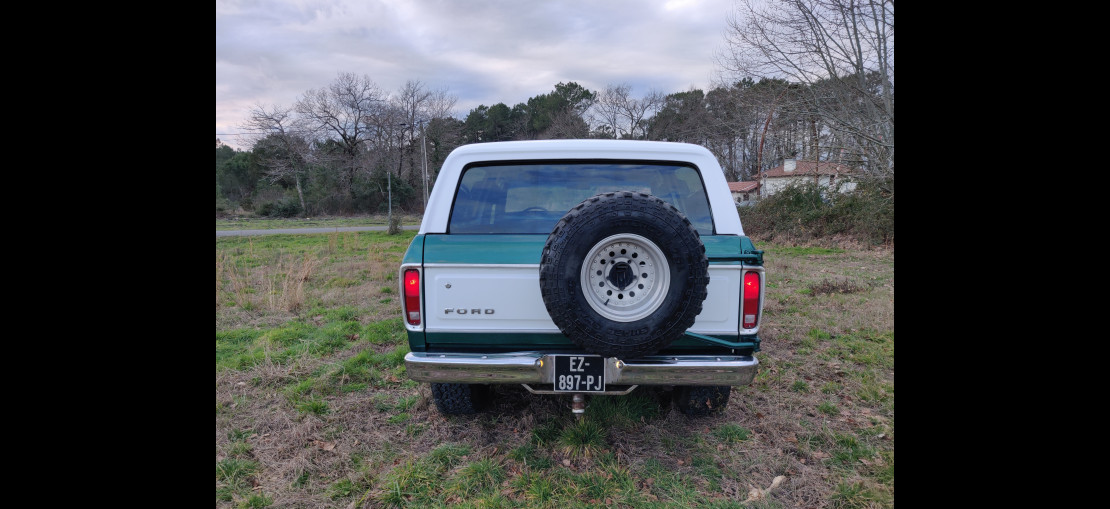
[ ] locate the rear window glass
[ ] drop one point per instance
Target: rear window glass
(531, 198)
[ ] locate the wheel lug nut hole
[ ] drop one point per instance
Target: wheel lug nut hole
(601, 284)
(634, 255)
(612, 254)
(609, 292)
(620, 295)
(641, 286)
(623, 251)
(644, 275)
(631, 294)
(599, 272)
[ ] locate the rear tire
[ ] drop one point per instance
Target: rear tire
(702, 400)
(460, 399)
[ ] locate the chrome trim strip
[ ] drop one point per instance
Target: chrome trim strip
(553, 330)
(485, 265)
(712, 265)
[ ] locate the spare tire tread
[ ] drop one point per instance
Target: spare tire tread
(597, 218)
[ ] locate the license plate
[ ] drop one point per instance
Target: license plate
(579, 373)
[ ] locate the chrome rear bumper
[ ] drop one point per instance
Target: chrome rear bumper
(539, 368)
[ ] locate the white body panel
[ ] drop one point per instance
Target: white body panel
(726, 221)
(506, 299)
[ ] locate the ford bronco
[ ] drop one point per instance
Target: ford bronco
(582, 267)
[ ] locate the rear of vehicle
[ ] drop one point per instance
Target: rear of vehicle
(582, 267)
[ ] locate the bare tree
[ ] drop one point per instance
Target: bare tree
(625, 115)
(338, 113)
(284, 150)
(566, 124)
(440, 104)
(606, 111)
(842, 51)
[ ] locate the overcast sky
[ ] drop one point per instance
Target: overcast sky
(271, 52)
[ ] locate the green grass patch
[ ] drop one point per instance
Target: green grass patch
(255, 501)
(355, 387)
(849, 450)
(674, 486)
(341, 282)
(312, 406)
(412, 482)
(540, 491)
(800, 386)
(342, 488)
(239, 449)
(732, 433)
(801, 251)
(478, 478)
(233, 478)
(828, 408)
(407, 402)
(623, 411)
(583, 438)
(530, 456)
(861, 495)
(818, 334)
(385, 332)
(420, 482)
(546, 433)
(240, 434)
(447, 455)
(241, 349)
(868, 348)
(235, 470)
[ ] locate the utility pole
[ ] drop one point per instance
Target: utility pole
(424, 142)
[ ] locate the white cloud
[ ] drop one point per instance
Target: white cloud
(485, 52)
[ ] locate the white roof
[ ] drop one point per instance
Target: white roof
(725, 219)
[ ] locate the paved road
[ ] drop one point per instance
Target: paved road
(232, 233)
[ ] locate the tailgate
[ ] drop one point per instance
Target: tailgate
(490, 283)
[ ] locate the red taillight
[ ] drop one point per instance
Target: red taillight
(751, 300)
(412, 296)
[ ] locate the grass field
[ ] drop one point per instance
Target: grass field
(313, 408)
(255, 223)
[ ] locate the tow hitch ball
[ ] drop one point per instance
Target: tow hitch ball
(578, 404)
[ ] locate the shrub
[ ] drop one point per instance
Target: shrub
(808, 212)
(286, 207)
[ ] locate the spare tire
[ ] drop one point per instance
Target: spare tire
(623, 274)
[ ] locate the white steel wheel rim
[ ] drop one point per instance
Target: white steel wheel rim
(625, 277)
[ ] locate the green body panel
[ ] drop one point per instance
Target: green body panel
(527, 249)
(415, 252)
(513, 249)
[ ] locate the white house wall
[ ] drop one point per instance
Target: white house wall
(774, 185)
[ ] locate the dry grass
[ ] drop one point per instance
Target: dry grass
(819, 416)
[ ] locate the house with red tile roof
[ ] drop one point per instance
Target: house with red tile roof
(743, 193)
(823, 173)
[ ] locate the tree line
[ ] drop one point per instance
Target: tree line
(819, 88)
